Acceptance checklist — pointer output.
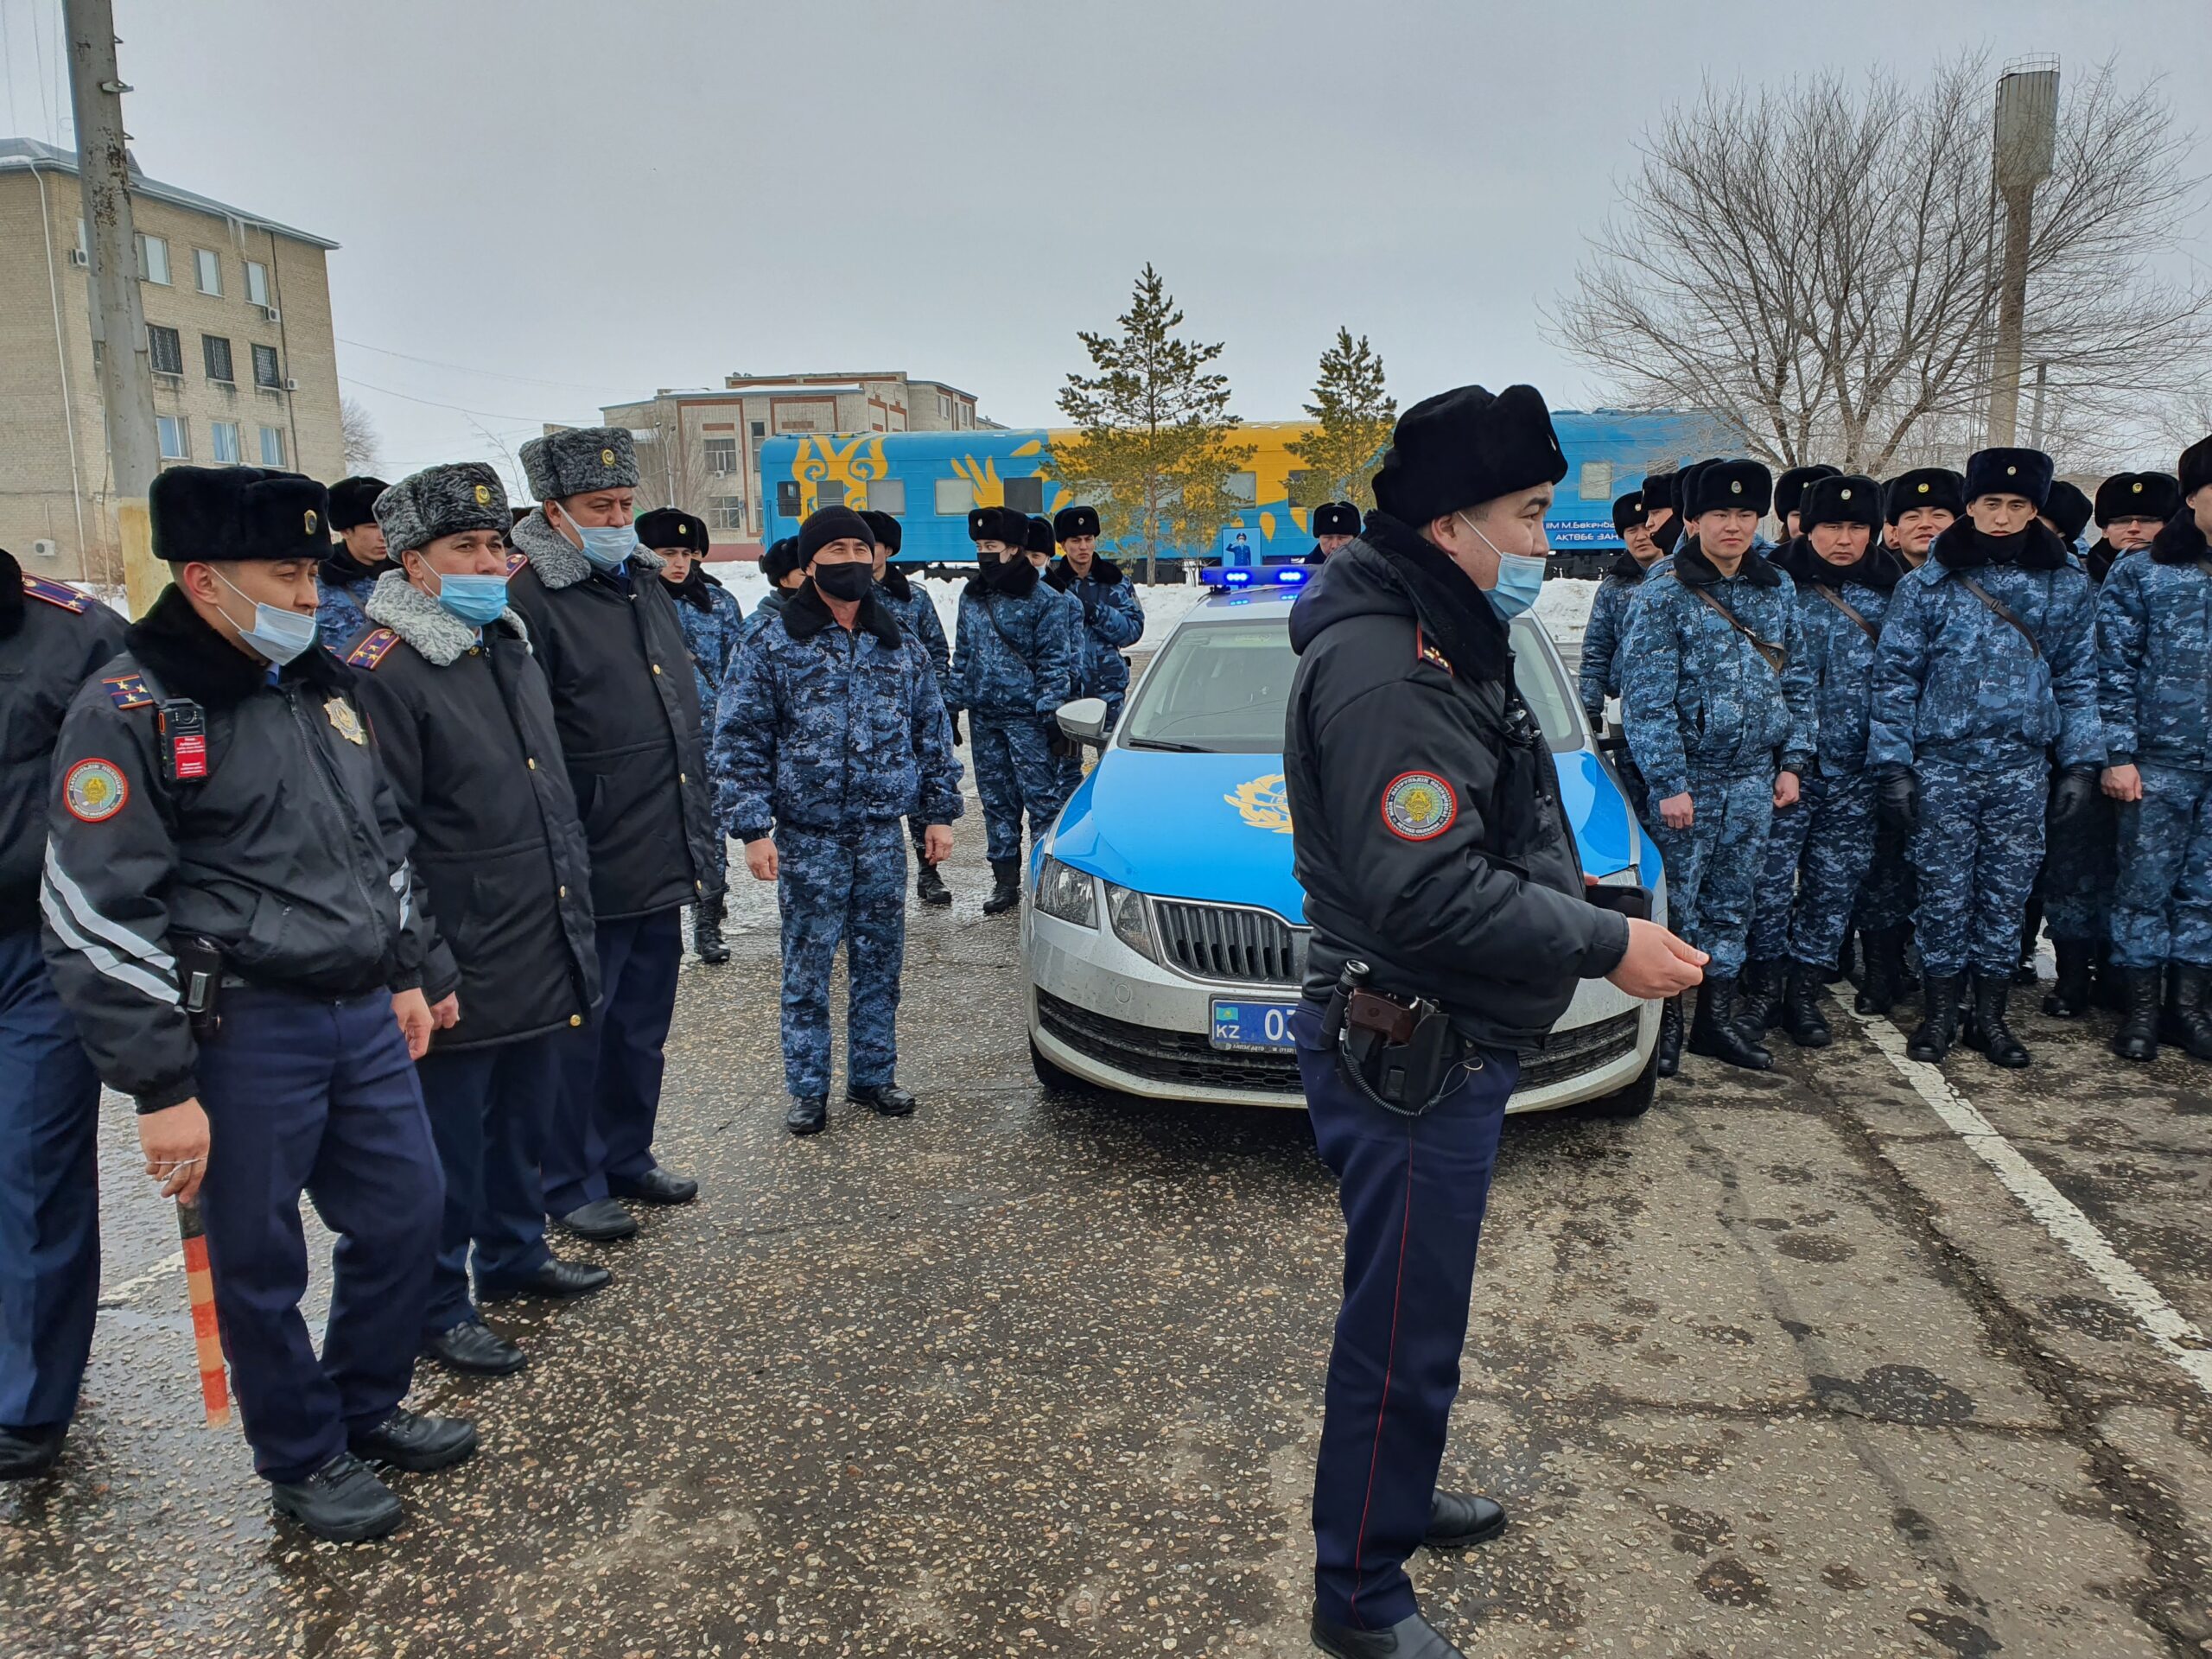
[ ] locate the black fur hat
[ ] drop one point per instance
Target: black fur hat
(1038, 536)
(1334, 519)
(1789, 488)
(998, 524)
(1657, 491)
(1465, 447)
(1071, 521)
(2138, 495)
(2024, 473)
(1628, 512)
(218, 514)
(826, 525)
(672, 527)
(442, 501)
(1840, 498)
(888, 536)
(353, 502)
(2195, 467)
(1923, 486)
(1722, 485)
(780, 560)
(2067, 508)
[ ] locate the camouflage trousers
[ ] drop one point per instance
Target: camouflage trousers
(2079, 868)
(1817, 854)
(2161, 901)
(1015, 773)
(1892, 889)
(1070, 772)
(847, 885)
(1979, 846)
(1714, 867)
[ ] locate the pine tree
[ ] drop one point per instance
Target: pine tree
(1153, 450)
(1353, 416)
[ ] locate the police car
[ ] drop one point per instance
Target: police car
(1164, 938)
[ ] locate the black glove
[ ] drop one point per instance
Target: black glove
(956, 739)
(1897, 800)
(2072, 794)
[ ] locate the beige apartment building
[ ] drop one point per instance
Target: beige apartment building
(700, 450)
(239, 332)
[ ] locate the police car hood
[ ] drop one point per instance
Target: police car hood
(1214, 827)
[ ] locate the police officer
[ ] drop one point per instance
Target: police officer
(833, 730)
(1012, 666)
(51, 638)
(1598, 675)
(1818, 851)
(713, 621)
(1985, 668)
(1789, 492)
(2154, 653)
(916, 616)
(232, 920)
(354, 561)
(605, 628)
(780, 566)
(1662, 517)
(2129, 509)
(1717, 697)
(1922, 505)
(1441, 878)
(461, 710)
(1333, 525)
(1110, 619)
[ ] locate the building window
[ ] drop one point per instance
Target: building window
(272, 446)
(265, 368)
(830, 492)
(154, 260)
(207, 270)
(721, 456)
(726, 513)
(216, 351)
(887, 495)
(169, 429)
(1244, 488)
(165, 348)
(943, 407)
(1596, 483)
(225, 444)
(256, 283)
(760, 429)
(955, 498)
(787, 498)
(1026, 494)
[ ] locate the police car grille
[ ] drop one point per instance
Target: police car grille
(1224, 942)
(1165, 1056)
(1559, 1055)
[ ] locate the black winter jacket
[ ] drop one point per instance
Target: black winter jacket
(627, 708)
(51, 639)
(465, 725)
(1428, 832)
(289, 855)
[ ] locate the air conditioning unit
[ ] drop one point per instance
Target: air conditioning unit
(78, 257)
(46, 549)
(291, 385)
(268, 313)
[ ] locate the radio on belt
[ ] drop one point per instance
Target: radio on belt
(183, 725)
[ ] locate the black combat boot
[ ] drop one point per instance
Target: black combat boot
(2070, 997)
(1802, 1018)
(2107, 984)
(1669, 1051)
(1720, 1032)
(1882, 979)
(2138, 1036)
(928, 887)
(2190, 1020)
(1987, 1031)
(1939, 1027)
(707, 929)
(1005, 886)
(1758, 997)
(809, 1115)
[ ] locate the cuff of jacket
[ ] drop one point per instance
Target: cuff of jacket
(2120, 757)
(1608, 944)
(1798, 761)
(749, 832)
(161, 1096)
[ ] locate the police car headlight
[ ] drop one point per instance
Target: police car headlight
(1131, 920)
(1067, 894)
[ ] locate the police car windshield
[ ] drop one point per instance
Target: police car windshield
(1543, 685)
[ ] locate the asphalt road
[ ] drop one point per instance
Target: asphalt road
(1785, 1368)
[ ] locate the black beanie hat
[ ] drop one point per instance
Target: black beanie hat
(1789, 488)
(998, 524)
(1722, 485)
(222, 514)
(1465, 447)
(1071, 521)
(826, 525)
(2195, 467)
(1334, 519)
(2137, 495)
(1923, 486)
(889, 534)
(1628, 512)
(2024, 473)
(1840, 498)
(780, 560)
(2067, 508)
(353, 502)
(671, 527)
(1037, 536)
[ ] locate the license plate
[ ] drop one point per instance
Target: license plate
(1251, 1026)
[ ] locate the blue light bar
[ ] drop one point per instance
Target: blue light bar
(1269, 575)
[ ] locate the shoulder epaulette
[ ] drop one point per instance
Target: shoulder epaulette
(59, 593)
(372, 649)
(127, 692)
(1429, 653)
(516, 560)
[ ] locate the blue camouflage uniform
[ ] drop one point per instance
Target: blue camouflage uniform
(712, 620)
(826, 738)
(1012, 666)
(2154, 658)
(2079, 866)
(345, 584)
(1599, 676)
(916, 616)
(1708, 715)
(1974, 709)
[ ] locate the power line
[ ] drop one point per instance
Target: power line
(458, 408)
(463, 368)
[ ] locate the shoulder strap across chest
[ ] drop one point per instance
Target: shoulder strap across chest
(1772, 655)
(1848, 609)
(1999, 610)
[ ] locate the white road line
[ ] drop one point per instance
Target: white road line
(127, 1291)
(2184, 1344)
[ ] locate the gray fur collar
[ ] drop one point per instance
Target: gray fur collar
(439, 637)
(559, 563)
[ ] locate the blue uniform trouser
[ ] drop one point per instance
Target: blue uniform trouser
(1891, 890)
(1015, 773)
(49, 1195)
(1713, 868)
(1817, 857)
(2079, 868)
(307, 1094)
(2162, 902)
(609, 1096)
(1978, 849)
(1414, 1190)
(848, 884)
(488, 1110)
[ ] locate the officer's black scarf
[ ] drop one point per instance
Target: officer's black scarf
(807, 613)
(342, 569)
(1692, 566)
(2180, 542)
(692, 590)
(1962, 547)
(1013, 576)
(11, 594)
(1060, 575)
(1627, 568)
(893, 581)
(1876, 568)
(189, 658)
(1668, 533)
(1454, 616)
(2099, 559)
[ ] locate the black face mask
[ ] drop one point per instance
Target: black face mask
(845, 584)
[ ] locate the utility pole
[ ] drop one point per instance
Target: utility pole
(2027, 132)
(118, 323)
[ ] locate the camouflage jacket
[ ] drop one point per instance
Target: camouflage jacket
(1599, 675)
(713, 622)
(1838, 650)
(346, 585)
(1013, 654)
(1112, 620)
(2154, 652)
(917, 615)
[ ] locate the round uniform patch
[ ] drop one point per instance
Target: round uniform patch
(94, 791)
(1419, 806)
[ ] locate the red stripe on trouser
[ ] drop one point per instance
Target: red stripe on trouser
(1389, 1364)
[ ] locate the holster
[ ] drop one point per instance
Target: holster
(200, 981)
(1402, 1054)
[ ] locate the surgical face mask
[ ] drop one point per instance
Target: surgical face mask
(606, 546)
(477, 600)
(279, 635)
(846, 583)
(1520, 577)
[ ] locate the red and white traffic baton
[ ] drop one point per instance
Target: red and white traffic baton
(200, 1286)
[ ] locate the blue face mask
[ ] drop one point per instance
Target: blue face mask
(278, 635)
(477, 600)
(607, 547)
(1519, 578)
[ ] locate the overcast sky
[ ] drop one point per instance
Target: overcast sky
(545, 206)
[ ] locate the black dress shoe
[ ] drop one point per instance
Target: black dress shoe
(554, 1279)
(809, 1115)
(416, 1442)
(884, 1099)
(657, 1186)
(602, 1221)
(473, 1347)
(1458, 1519)
(26, 1453)
(1409, 1638)
(342, 1503)
(930, 888)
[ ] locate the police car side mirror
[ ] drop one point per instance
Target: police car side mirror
(1084, 720)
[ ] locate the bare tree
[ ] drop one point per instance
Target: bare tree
(358, 433)
(1816, 262)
